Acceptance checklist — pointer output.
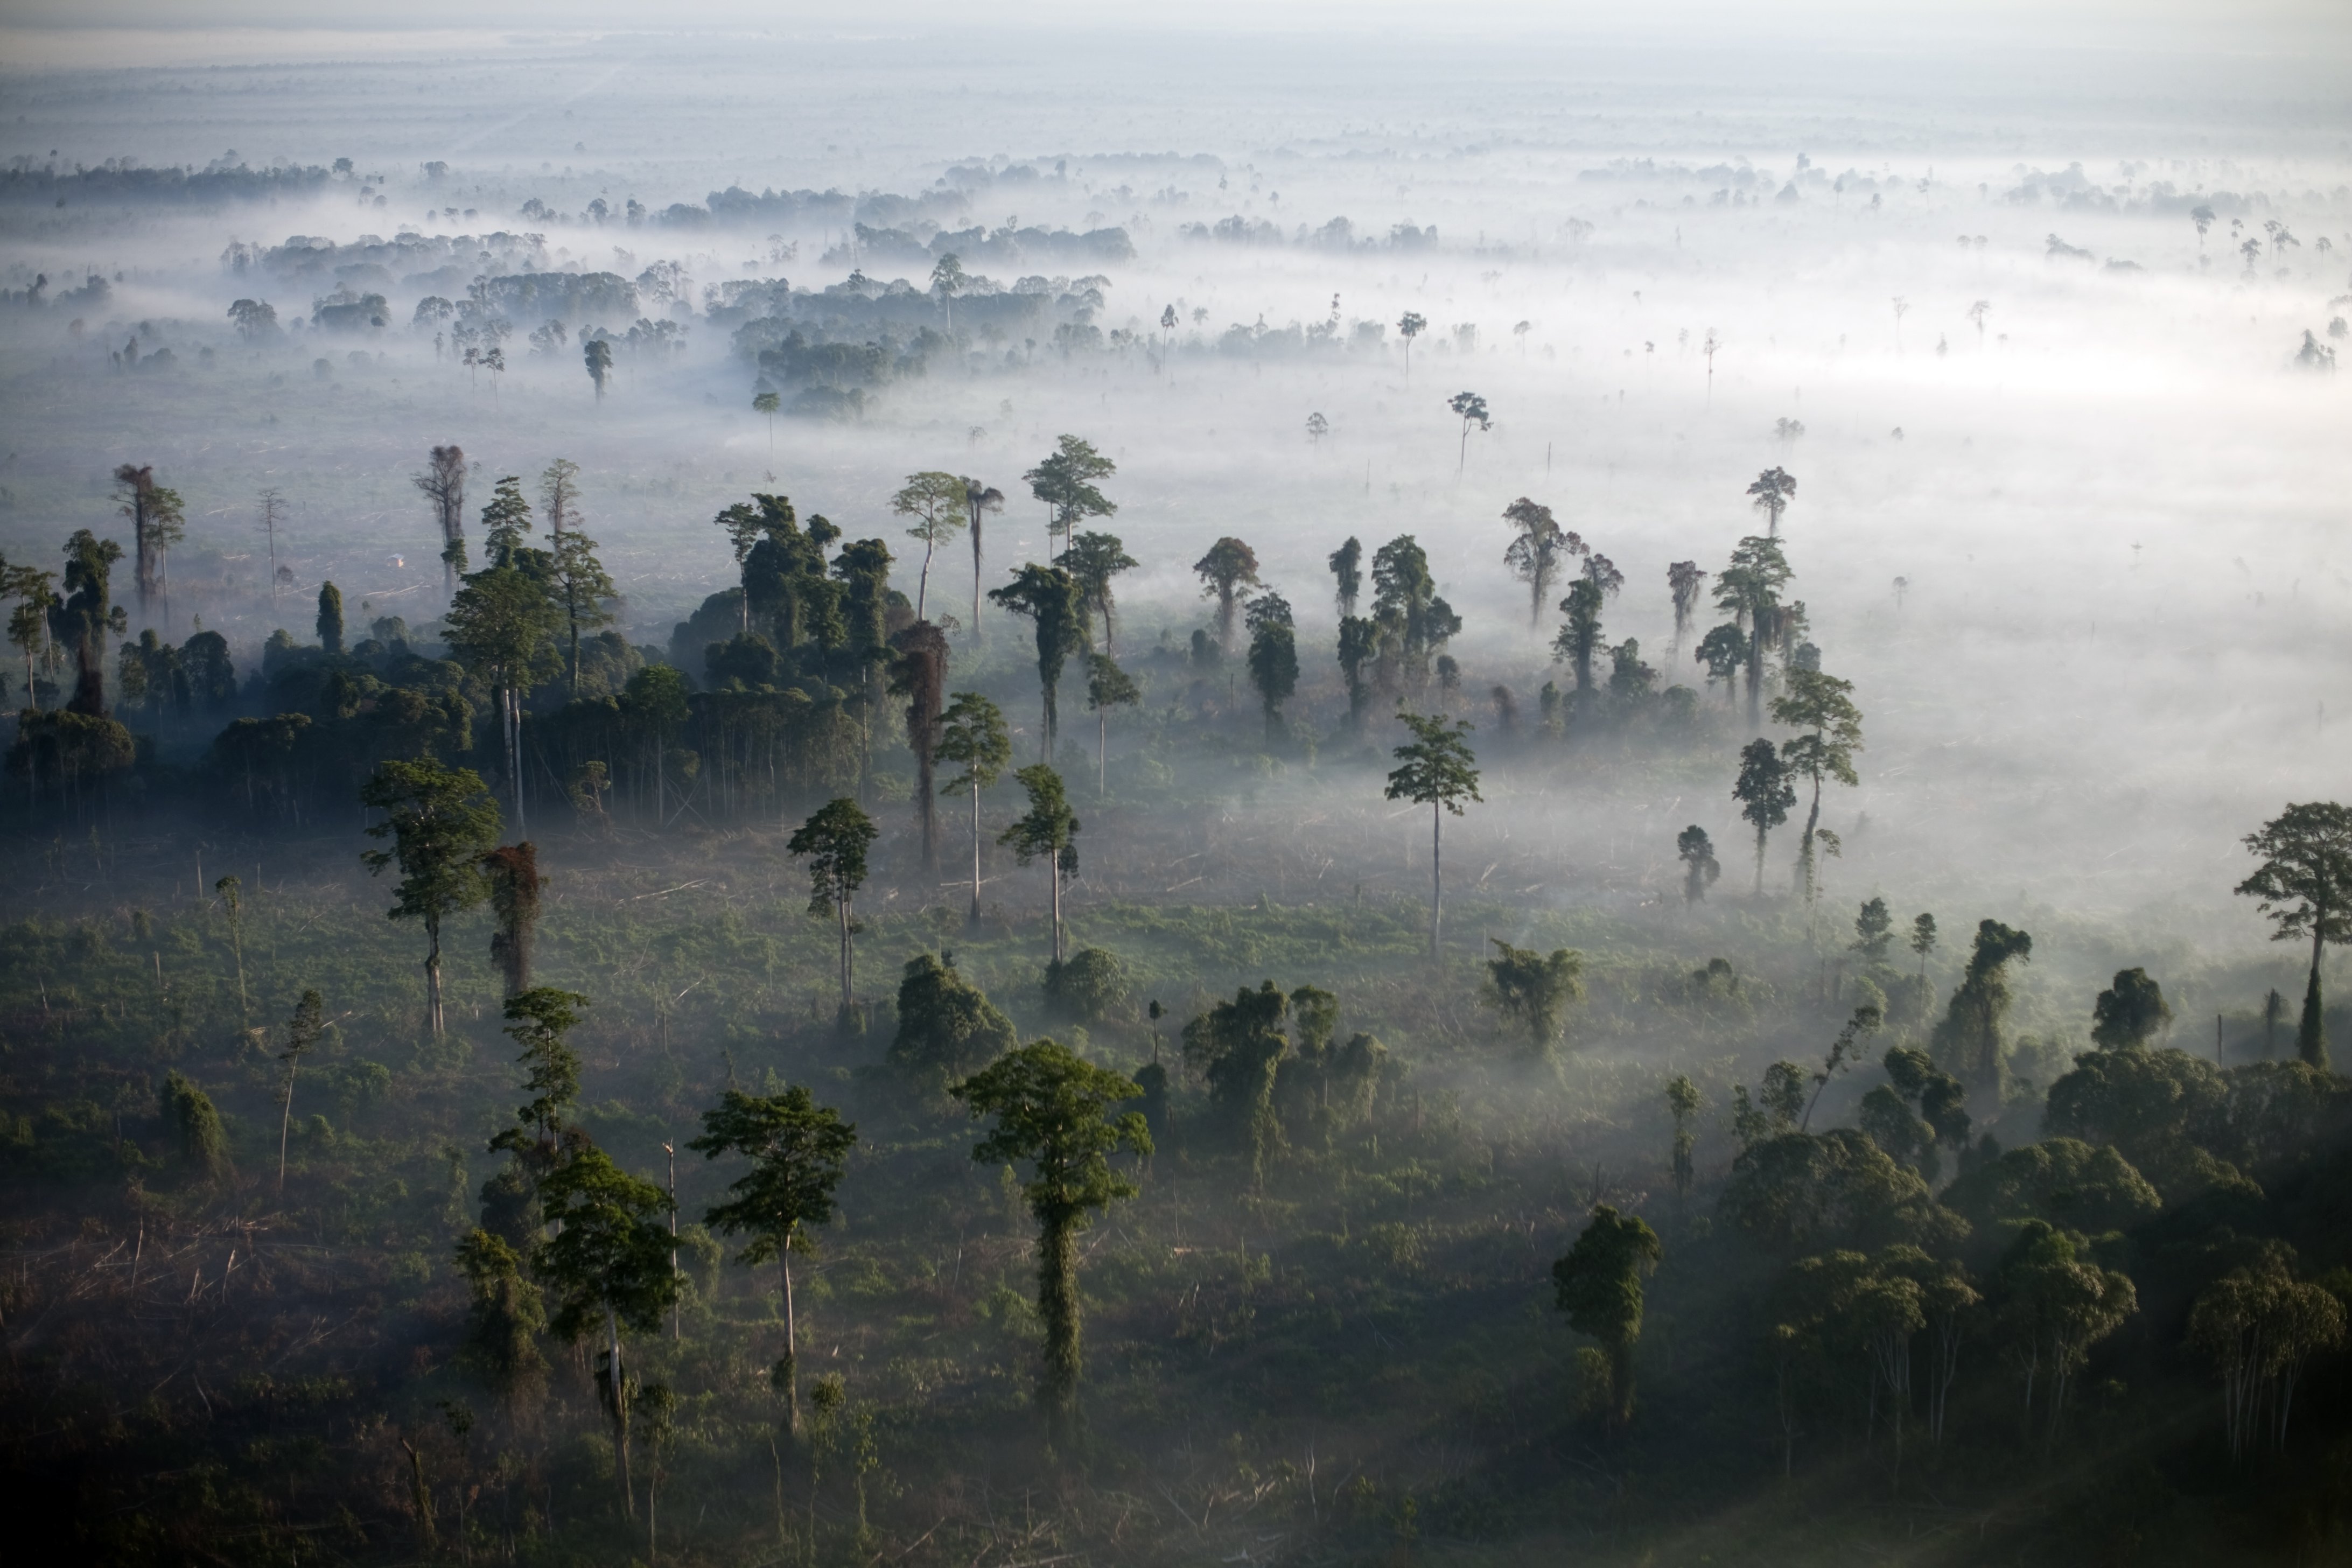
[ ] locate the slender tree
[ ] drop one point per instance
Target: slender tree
(1598, 1285)
(303, 1032)
(1700, 868)
(1347, 571)
(1683, 1104)
(441, 822)
(1436, 769)
(583, 593)
(798, 1150)
(1065, 482)
(1538, 550)
(1819, 705)
(978, 499)
(515, 886)
(1055, 606)
(331, 618)
(1770, 494)
(1094, 558)
(1107, 686)
(834, 841)
(1228, 568)
(231, 890)
(933, 503)
(608, 1260)
(768, 404)
(1684, 581)
(158, 521)
(1923, 940)
(1765, 794)
(2304, 885)
(1410, 325)
(1056, 1112)
(974, 737)
(1048, 832)
(502, 626)
(443, 484)
(1471, 409)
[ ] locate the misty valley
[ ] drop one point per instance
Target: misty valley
(1420, 808)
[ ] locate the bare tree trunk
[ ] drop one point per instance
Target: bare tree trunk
(1053, 873)
(975, 852)
(1436, 877)
(791, 1389)
(285, 1120)
(433, 977)
(618, 1392)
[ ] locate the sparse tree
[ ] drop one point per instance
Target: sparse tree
(1684, 581)
(1977, 313)
(1538, 551)
(834, 841)
(269, 514)
(768, 405)
(1923, 940)
(973, 736)
(978, 499)
(441, 822)
(1095, 559)
(1411, 325)
(1770, 494)
(1874, 933)
(1048, 831)
(1683, 1104)
(2304, 886)
(797, 1150)
(1534, 990)
(1436, 769)
(934, 502)
(1700, 868)
(230, 891)
(946, 283)
(1055, 1112)
(1820, 706)
(303, 1032)
(1316, 428)
(1471, 409)
(1107, 686)
(443, 483)
(1065, 482)
(1765, 794)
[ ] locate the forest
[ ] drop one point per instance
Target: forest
(1217, 987)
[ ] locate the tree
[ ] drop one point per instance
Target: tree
(443, 483)
(1967, 1042)
(1978, 311)
(768, 404)
(257, 320)
(1538, 551)
(1228, 568)
(834, 842)
(29, 624)
(798, 1150)
(1819, 705)
(1054, 1112)
(2304, 886)
(303, 1032)
(1108, 686)
(2056, 1306)
(1683, 1104)
(1700, 868)
(1471, 409)
(1722, 651)
(1684, 581)
(2129, 1013)
(610, 1260)
(1410, 326)
(1048, 831)
(515, 886)
(1770, 494)
(504, 1321)
(1347, 571)
(919, 672)
(1064, 481)
(1238, 1048)
(1923, 940)
(1749, 590)
(1316, 428)
(1094, 558)
(441, 822)
(1874, 930)
(934, 502)
(1598, 1286)
(1534, 990)
(972, 735)
(502, 626)
(1360, 645)
(228, 887)
(948, 1029)
(979, 499)
(1765, 794)
(946, 283)
(1580, 633)
(540, 1021)
(2259, 1326)
(331, 618)
(1406, 607)
(1055, 605)
(158, 521)
(1272, 658)
(1865, 1020)
(194, 1125)
(597, 353)
(1435, 769)
(582, 591)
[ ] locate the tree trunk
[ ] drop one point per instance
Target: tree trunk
(1436, 875)
(1058, 1304)
(2311, 1033)
(1805, 845)
(285, 1120)
(975, 852)
(922, 583)
(619, 1408)
(790, 1379)
(841, 906)
(1759, 862)
(433, 975)
(1054, 875)
(979, 635)
(1102, 752)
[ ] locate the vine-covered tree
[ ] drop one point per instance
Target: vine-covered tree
(515, 886)
(1539, 550)
(443, 485)
(1534, 990)
(1967, 1042)
(1347, 565)
(1770, 494)
(1055, 1113)
(1228, 568)
(1598, 1286)
(2129, 1013)
(1685, 582)
(1052, 601)
(1360, 645)
(919, 672)
(1683, 1104)
(948, 1029)
(1272, 658)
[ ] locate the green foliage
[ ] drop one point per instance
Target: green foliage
(1049, 829)
(2129, 1013)
(610, 1253)
(440, 825)
(1700, 868)
(1967, 1042)
(503, 1321)
(834, 841)
(1238, 1048)
(1090, 984)
(1598, 1286)
(1066, 482)
(331, 618)
(948, 1029)
(1533, 990)
(2063, 1181)
(1795, 1191)
(1229, 566)
(798, 1150)
(1051, 599)
(2304, 886)
(1764, 793)
(1874, 931)
(200, 1143)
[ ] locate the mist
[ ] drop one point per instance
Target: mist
(2041, 315)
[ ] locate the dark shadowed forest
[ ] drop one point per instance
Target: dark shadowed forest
(1094, 854)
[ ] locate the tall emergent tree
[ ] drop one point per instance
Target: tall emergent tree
(515, 886)
(1967, 1042)
(797, 1148)
(1538, 550)
(443, 483)
(1411, 325)
(919, 672)
(1749, 591)
(597, 353)
(1094, 558)
(979, 499)
(1436, 769)
(502, 626)
(331, 618)
(1047, 831)
(1471, 409)
(1407, 608)
(441, 823)
(1773, 491)
(834, 841)
(1064, 481)
(933, 503)
(1359, 649)
(1347, 565)
(158, 521)
(1765, 794)
(610, 1260)
(1054, 1112)
(1055, 606)
(1821, 707)
(1107, 686)
(973, 736)
(2304, 886)
(303, 1032)
(1533, 990)
(1599, 1289)
(80, 620)
(1700, 868)
(1228, 568)
(580, 591)
(1273, 657)
(1684, 581)
(2129, 1013)
(1683, 1104)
